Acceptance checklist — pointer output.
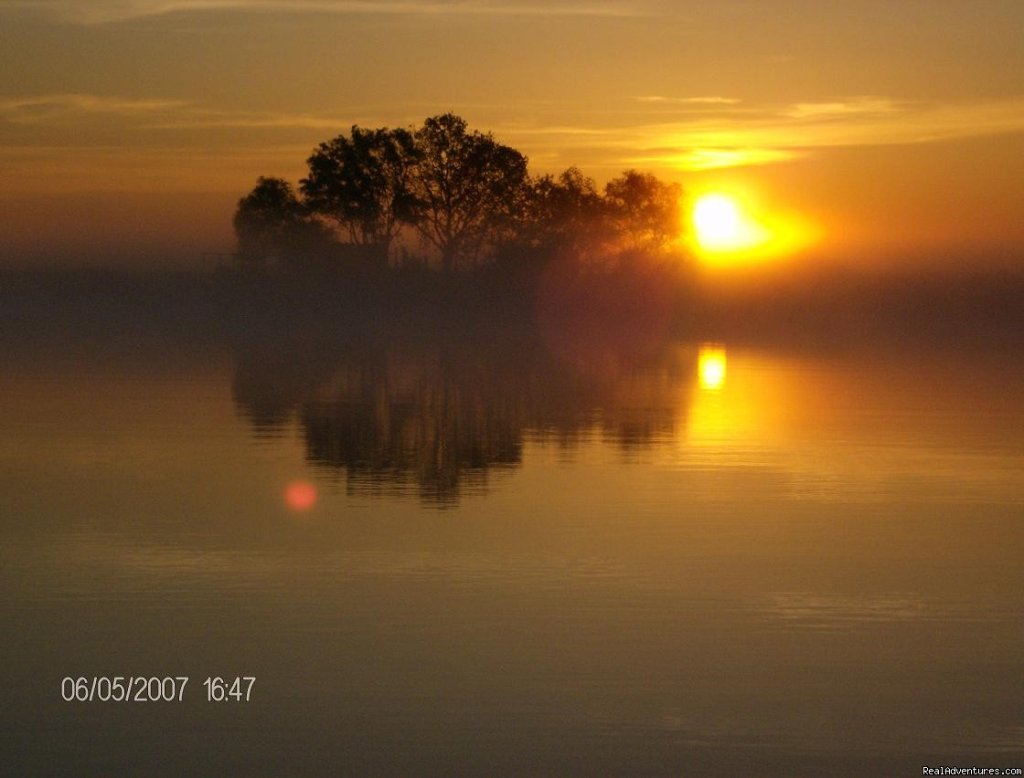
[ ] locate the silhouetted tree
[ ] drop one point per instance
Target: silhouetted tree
(271, 223)
(646, 212)
(467, 189)
(469, 197)
(362, 182)
(563, 214)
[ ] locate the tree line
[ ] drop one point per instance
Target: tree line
(447, 196)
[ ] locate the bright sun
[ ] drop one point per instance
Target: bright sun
(732, 229)
(717, 219)
(722, 226)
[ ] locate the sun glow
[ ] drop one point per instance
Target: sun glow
(721, 225)
(711, 366)
(730, 229)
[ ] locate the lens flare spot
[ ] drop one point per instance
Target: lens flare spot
(300, 495)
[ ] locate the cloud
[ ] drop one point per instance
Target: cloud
(713, 158)
(111, 11)
(844, 108)
(726, 135)
(201, 119)
(710, 100)
(736, 136)
(152, 114)
(50, 108)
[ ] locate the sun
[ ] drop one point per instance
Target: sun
(730, 228)
(721, 225)
(717, 219)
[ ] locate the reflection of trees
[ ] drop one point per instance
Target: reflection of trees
(414, 420)
(437, 416)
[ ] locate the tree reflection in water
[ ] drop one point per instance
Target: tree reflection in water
(436, 414)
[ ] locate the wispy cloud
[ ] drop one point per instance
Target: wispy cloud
(50, 108)
(844, 109)
(747, 134)
(726, 134)
(203, 119)
(709, 100)
(707, 158)
(110, 11)
(154, 114)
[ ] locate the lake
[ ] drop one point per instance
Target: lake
(445, 554)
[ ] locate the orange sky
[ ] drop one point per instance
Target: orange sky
(129, 128)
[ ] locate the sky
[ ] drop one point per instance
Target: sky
(891, 133)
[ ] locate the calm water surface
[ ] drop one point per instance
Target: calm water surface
(707, 559)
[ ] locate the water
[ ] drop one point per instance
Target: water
(541, 558)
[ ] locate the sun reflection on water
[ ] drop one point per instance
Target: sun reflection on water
(711, 366)
(735, 406)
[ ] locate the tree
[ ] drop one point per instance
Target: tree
(467, 188)
(564, 213)
(646, 212)
(271, 222)
(362, 183)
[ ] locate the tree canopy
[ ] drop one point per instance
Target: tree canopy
(271, 221)
(467, 197)
(361, 182)
(466, 188)
(646, 211)
(564, 213)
